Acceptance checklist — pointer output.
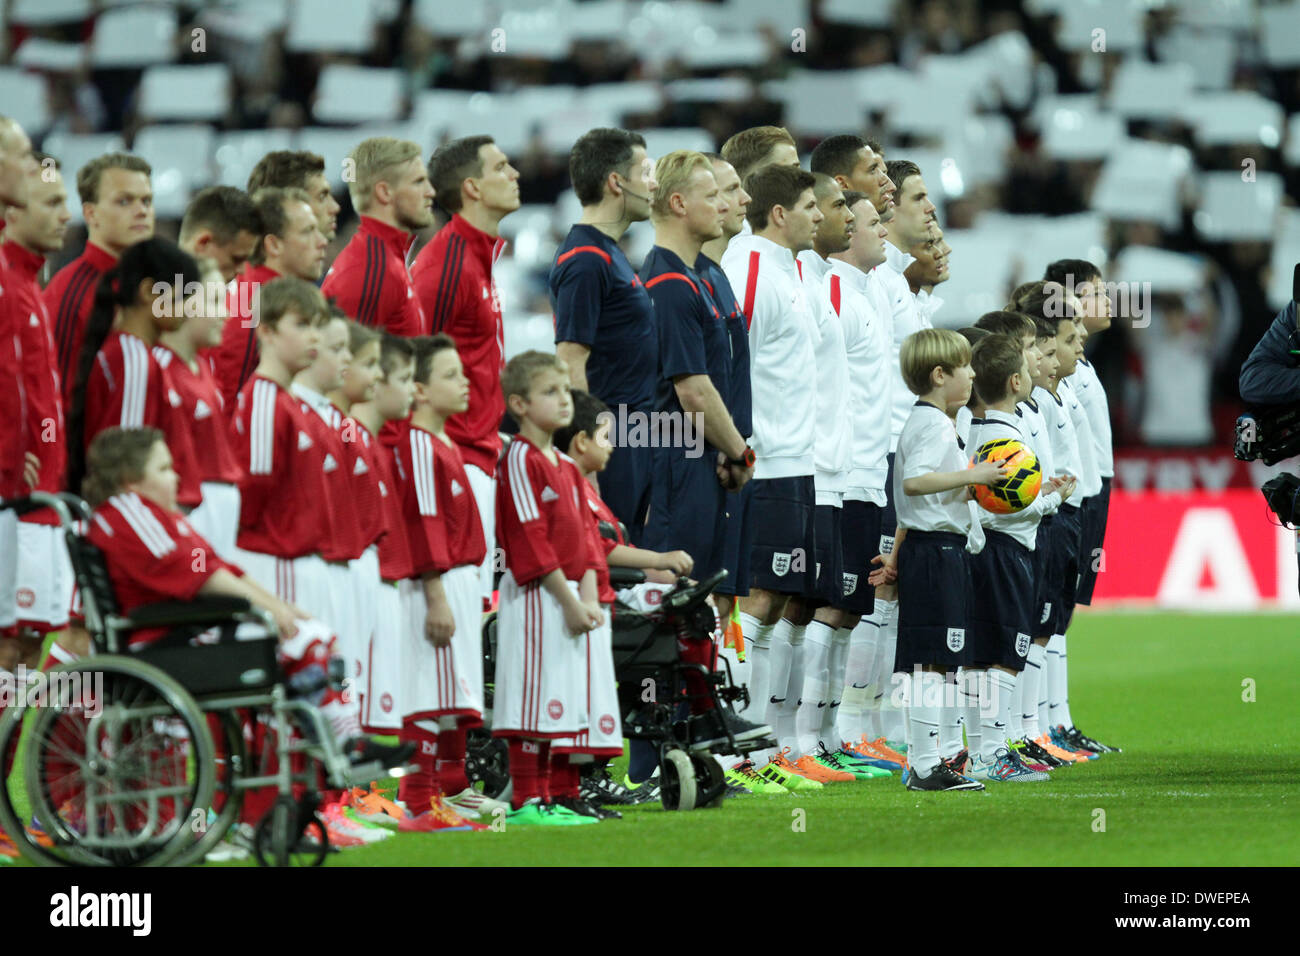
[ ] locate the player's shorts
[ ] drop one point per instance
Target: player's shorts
(44, 583)
(625, 486)
(304, 581)
(687, 504)
(1044, 574)
(603, 736)
(364, 590)
(444, 681)
(484, 487)
(217, 517)
(859, 543)
(381, 701)
(1096, 511)
(888, 514)
(1066, 531)
(933, 601)
(737, 541)
(784, 554)
(1002, 601)
(540, 689)
(8, 571)
(827, 519)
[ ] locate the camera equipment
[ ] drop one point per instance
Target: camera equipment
(1282, 492)
(1272, 432)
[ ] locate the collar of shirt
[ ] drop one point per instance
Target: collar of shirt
(850, 274)
(22, 260)
(99, 258)
(398, 241)
(814, 267)
(483, 247)
(315, 399)
(1006, 418)
(781, 257)
(257, 275)
(896, 259)
(928, 303)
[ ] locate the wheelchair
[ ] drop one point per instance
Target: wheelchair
(126, 773)
(646, 662)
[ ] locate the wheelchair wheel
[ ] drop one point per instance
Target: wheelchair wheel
(230, 764)
(708, 778)
(676, 781)
(118, 774)
(487, 758)
(286, 838)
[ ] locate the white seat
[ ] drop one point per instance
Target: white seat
(982, 141)
(200, 92)
(74, 151)
(446, 18)
(1211, 52)
(50, 55)
(597, 20)
(1168, 272)
(134, 36)
(818, 103)
(358, 94)
(781, 16)
(1219, 15)
(878, 87)
(1279, 35)
(238, 152)
(1142, 181)
(24, 97)
(1150, 91)
(638, 96)
(979, 274)
(936, 100)
(1232, 210)
(664, 140)
(1235, 118)
(333, 145)
(714, 89)
(541, 33)
(1077, 236)
(1121, 19)
(705, 48)
(860, 13)
(1079, 133)
(246, 21)
(334, 26)
(1011, 66)
(1291, 148)
(563, 126)
(41, 12)
(182, 159)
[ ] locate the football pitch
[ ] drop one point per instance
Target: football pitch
(1207, 778)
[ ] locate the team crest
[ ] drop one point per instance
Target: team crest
(956, 638)
(849, 583)
(886, 544)
(606, 724)
(554, 709)
(386, 703)
(780, 563)
(1022, 644)
(26, 598)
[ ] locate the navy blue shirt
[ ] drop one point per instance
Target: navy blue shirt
(739, 398)
(692, 332)
(600, 302)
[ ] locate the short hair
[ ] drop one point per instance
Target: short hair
(750, 147)
(876, 148)
(995, 358)
(41, 157)
(1076, 270)
(451, 164)
(673, 171)
(115, 457)
(89, 175)
(285, 168)
(596, 154)
(587, 409)
(822, 185)
(272, 220)
(925, 349)
(394, 350)
(837, 155)
(517, 377)
(359, 336)
(972, 334)
(1006, 322)
(373, 161)
(774, 186)
(1021, 293)
(852, 197)
(277, 298)
(426, 348)
(224, 211)
(899, 170)
(1050, 305)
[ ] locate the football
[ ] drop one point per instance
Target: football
(1024, 476)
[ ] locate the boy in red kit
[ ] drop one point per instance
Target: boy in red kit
(442, 650)
(548, 592)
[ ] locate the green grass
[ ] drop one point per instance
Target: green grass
(1205, 779)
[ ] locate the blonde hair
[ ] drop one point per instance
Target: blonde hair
(924, 350)
(517, 377)
(373, 161)
(673, 172)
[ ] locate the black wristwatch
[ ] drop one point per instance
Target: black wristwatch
(746, 459)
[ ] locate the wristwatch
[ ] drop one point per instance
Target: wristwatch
(746, 459)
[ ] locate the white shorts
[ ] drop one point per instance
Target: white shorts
(44, 580)
(381, 701)
(443, 681)
(8, 569)
(217, 517)
(364, 592)
(302, 581)
(484, 487)
(541, 688)
(603, 736)
(343, 612)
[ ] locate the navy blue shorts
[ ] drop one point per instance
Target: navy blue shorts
(860, 542)
(1044, 575)
(1095, 512)
(686, 508)
(784, 553)
(827, 520)
(888, 514)
(933, 601)
(737, 540)
(1002, 601)
(625, 486)
(1066, 532)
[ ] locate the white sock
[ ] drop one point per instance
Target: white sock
(1044, 695)
(779, 676)
(1033, 678)
(923, 721)
(858, 697)
(954, 711)
(996, 713)
(1015, 726)
(816, 686)
(839, 659)
(892, 718)
(789, 707)
(758, 646)
(973, 683)
(1058, 684)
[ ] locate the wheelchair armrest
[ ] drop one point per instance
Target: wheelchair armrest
(625, 577)
(206, 610)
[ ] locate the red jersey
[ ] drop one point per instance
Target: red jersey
(598, 511)
(453, 282)
(129, 388)
(203, 413)
(368, 488)
(46, 435)
(152, 554)
(444, 530)
(541, 521)
(326, 421)
(394, 549)
(236, 358)
(369, 280)
(283, 492)
(69, 298)
(13, 400)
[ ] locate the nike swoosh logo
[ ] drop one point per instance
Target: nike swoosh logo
(776, 700)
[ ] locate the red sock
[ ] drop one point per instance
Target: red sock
(58, 654)
(697, 651)
(564, 776)
(451, 760)
(417, 790)
(526, 771)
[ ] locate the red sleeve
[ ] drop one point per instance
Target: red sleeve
(426, 525)
(142, 548)
(258, 437)
(438, 284)
(521, 528)
(236, 358)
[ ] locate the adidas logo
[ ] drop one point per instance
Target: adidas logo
(456, 489)
(548, 494)
(201, 410)
(303, 441)
(173, 399)
(330, 464)
(360, 467)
